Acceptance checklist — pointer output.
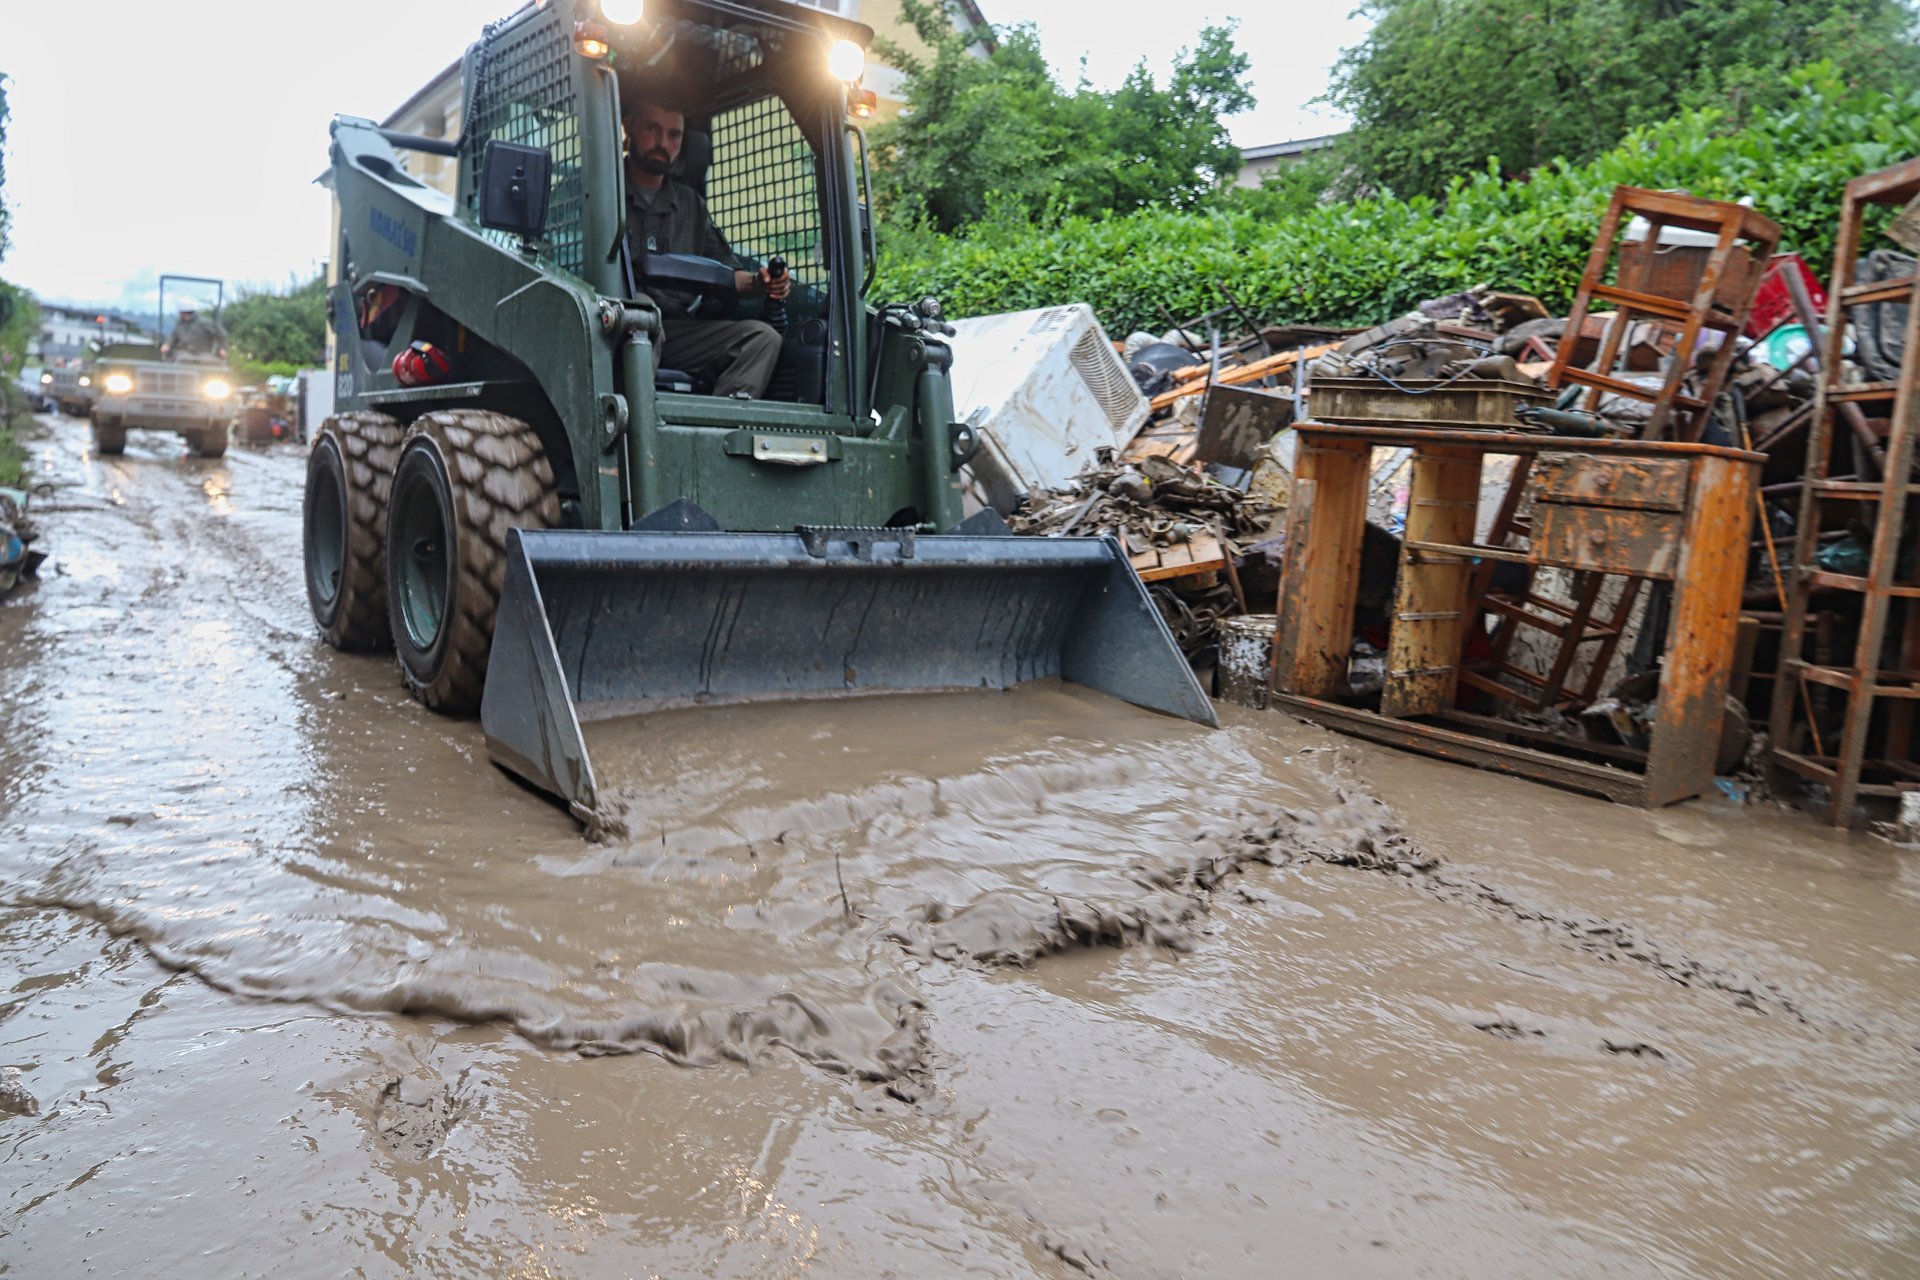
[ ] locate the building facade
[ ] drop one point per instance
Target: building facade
(66, 331)
(1257, 162)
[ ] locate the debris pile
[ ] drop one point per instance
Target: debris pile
(1688, 328)
(19, 558)
(1183, 529)
(1152, 503)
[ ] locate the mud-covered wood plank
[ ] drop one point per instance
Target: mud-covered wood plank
(1431, 607)
(1702, 634)
(1321, 578)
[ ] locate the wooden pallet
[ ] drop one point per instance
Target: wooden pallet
(1183, 560)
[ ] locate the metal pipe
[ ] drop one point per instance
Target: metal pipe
(1803, 308)
(415, 142)
(933, 406)
(644, 493)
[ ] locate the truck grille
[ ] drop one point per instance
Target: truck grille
(178, 383)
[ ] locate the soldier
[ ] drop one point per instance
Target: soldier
(662, 215)
(194, 336)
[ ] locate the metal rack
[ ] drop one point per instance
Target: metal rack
(1885, 600)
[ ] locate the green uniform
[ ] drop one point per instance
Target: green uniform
(734, 355)
(197, 336)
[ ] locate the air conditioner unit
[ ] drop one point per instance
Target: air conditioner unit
(1042, 389)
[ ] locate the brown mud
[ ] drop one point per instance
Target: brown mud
(292, 980)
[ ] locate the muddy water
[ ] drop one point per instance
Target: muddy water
(293, 981)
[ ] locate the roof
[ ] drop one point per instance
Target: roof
(1281, 150)
(976, 20)
(425, 91)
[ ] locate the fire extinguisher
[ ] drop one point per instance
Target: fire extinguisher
(420, 364)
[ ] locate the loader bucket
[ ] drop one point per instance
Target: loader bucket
(599, 624)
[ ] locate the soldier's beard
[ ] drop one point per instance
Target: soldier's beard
(655, 161)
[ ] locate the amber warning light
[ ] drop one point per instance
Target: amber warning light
(590, 40)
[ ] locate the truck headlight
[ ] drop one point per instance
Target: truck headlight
(214, 389)
(46, 379)
(623, 13)
(85, 381)
(118, 384)
(846, 61)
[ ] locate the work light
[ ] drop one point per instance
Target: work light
(846, 61)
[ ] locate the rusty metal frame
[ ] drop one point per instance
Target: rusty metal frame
(1866, 681)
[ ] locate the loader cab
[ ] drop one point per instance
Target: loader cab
(764, 148)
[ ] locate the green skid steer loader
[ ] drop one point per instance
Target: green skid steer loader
(550, 522)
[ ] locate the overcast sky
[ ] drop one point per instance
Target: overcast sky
(184, 137)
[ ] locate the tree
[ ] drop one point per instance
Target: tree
(998, 133)
(1440, 86)
(267, 328)
(6, 218)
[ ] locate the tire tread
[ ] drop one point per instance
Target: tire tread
(501, 479)
(369, 445)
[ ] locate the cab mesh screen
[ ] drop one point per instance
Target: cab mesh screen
(525, 95)
(763, 193)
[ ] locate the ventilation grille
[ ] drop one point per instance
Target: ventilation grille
(526, 95)
(1106, 377)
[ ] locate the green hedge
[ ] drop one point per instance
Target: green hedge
(14, 409)
(1368, 260)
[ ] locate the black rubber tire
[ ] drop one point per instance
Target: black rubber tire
(350, 470)
(211, 442)
(479, 474)
(109, 442)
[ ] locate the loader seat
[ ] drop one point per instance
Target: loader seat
(696, 157)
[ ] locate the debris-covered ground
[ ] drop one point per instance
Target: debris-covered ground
(295, 982)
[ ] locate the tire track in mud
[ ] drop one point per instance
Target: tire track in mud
(1360, 833)
(1166, 905)
(737, 1030)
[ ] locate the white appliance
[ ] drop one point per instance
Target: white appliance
(1042, 389)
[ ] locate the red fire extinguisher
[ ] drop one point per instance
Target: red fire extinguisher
(420, 364)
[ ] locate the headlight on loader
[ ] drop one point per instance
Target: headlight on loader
(214, 389)
(846, 61)
(118, 384)
(623, 13)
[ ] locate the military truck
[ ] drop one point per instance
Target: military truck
(548, 521)
(135, 388)
(70, 387)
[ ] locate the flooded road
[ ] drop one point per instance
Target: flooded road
(293, 981)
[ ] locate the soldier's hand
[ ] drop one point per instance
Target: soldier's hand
(776, 289)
